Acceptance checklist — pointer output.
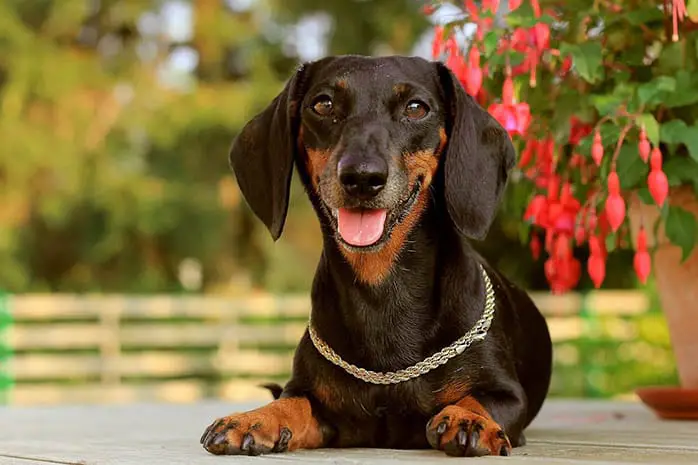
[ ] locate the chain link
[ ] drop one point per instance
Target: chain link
(476, 333)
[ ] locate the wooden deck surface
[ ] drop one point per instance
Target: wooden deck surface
(566, 432)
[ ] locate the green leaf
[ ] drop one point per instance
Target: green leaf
(671, 58)
(692, 10)
(681, 229)
(677, 132)
(690, 138)
(680, 169)
(606, 104)
(651, 127)
(686, 90)
(491, 41)
(587, 59)
(524, 230)
(645, 197)
(523, 16)
(651, 92)
(671, 131)
(642, 16)
(611, 242)
(630, 167)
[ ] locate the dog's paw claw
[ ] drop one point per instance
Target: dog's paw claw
(463, 433)
(239, 435)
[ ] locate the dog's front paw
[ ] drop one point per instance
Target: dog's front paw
(246, 434)
(285, 424)
(463, 433)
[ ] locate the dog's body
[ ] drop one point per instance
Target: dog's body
(400, 164)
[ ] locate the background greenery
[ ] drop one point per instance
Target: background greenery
(115, 121)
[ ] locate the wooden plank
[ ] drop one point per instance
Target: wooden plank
(27, 367)
(178, 391)
(37, 307)
(204, 334)
(33, 307)
(619, 302)
(565, 328)
(558, 305)
(56, 336)
(565, 433)
(209, 334)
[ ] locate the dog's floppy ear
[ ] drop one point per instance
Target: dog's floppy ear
(477, 160)
(262, 155)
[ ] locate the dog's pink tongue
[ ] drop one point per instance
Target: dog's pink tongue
(361, 227)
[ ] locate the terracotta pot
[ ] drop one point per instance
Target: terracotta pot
(678, 293)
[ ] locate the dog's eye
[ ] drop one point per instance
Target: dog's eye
(323, 106)
(416, 109)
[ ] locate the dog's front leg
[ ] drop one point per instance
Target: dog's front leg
(283, 425)
(466, 428)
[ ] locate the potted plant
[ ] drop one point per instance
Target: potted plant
(601, 97)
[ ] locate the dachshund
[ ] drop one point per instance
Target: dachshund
(414, 341)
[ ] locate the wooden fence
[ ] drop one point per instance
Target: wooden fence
(69, 348)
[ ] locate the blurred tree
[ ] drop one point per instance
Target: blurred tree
(115, 123)
(363, 27)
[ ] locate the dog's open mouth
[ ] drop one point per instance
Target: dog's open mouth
(365, 228)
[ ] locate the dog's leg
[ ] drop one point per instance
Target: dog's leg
(284, 424)
(466, 428)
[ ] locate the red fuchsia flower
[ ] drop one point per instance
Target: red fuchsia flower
(483, 24)
(540, 34)
(566, 66)
(473, 75)
(554, 213)
(455, 61)
(615, 205)
(561, 269)
(643, 146)
(596, 265)
(578, 130)
(437, 44)
(468, 73)
(483, 97)
(428, 10)
(657, 181)
(528, 152)
(515, 117)
(532, 43)
(541, 152)
(642, 261)
(597, 148)
(678, 13)
(451, 46)
(535, 247)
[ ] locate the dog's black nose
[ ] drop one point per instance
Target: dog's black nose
(364, 178)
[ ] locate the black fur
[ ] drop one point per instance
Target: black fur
(262, 156)
(434, 291)
(479, 157)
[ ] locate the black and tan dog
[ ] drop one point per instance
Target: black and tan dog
(414, 340)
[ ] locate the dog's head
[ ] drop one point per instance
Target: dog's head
(369, 136)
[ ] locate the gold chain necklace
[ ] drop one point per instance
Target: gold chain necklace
(476, 333)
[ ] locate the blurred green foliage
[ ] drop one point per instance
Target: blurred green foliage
(115, 121)
(113, 165)
(615, 355)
